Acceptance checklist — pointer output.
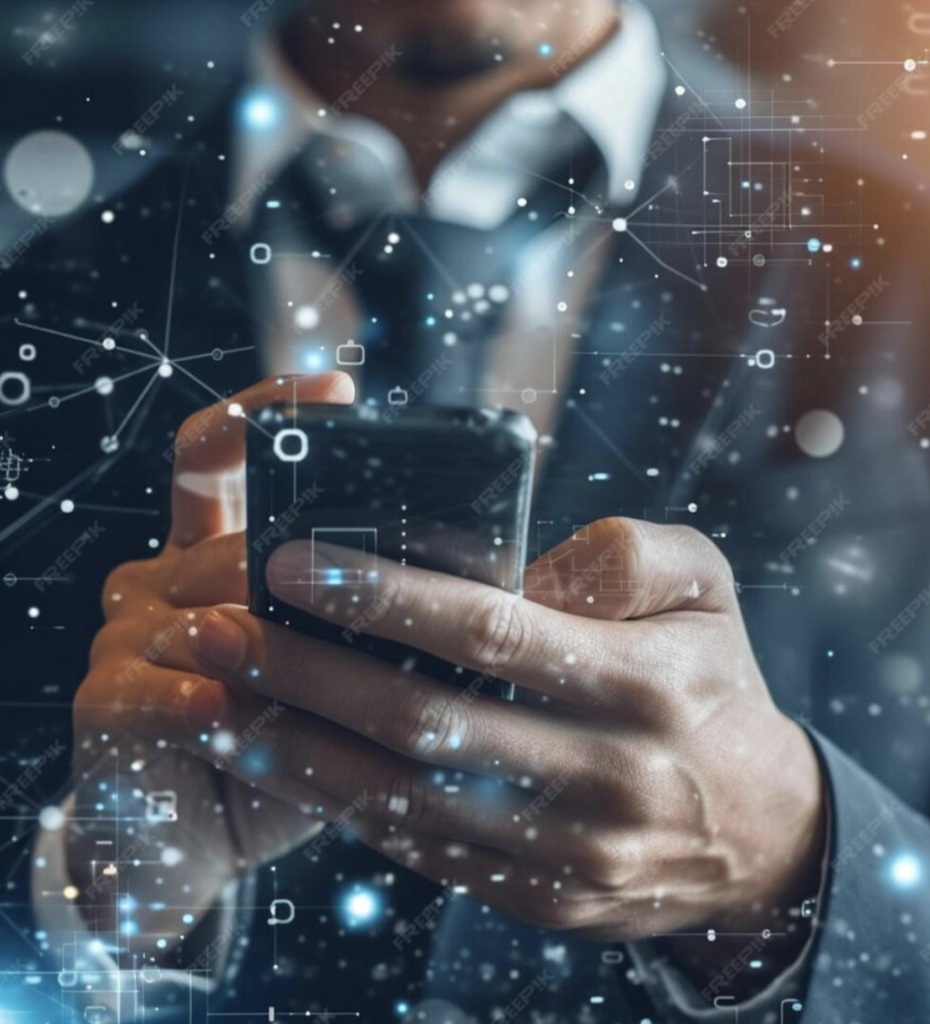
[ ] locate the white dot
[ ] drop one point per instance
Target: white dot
(235, 409)
(165, 370)
(33, 612)
(108, 216)
(740, 104)
(629, 184)
(722, 262)
(104, 385)
(819, 433)
(306, 318)
(109, 344)
(67, 505)
(679, 90)
(51, 818)
(619, 224)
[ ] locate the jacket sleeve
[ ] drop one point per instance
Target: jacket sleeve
(872, 954)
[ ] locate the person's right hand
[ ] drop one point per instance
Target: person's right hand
(138, 724)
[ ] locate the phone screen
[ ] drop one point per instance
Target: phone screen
(442, 489)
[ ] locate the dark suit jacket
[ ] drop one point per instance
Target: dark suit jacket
(838, 621)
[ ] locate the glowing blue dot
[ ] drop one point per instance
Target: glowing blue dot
(188, 918)
(261, 110)
(161, 943)
(545, 49)
(204, 738)
(314, 361)
(334, 576)
(905, 871)
(431, 321)
(402, 1007)
(855, 263)
(129, 928)
(814, 245)
(361, 906)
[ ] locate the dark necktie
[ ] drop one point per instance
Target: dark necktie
(432, 293)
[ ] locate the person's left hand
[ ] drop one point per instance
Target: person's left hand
(643, 783)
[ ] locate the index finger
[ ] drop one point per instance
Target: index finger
(471, 624)
(209, 452)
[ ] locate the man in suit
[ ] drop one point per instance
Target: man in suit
(558, 209)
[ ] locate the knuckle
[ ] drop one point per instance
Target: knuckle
(119, 584)
(497, 632)
(551, 913)
(404, 797)
(597, 862)
(427, 723)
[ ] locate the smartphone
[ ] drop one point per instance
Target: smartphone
(443, 489)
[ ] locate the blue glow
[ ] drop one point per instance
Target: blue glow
(402, 1007)
(431, 321)
(334, 576)
(256, 761)
(260, 110)
(545, 49)
(855, 263)
(814, 245)
(361, 906)
(905, 871)
(129, 928)
(188, 918)
(314, 361)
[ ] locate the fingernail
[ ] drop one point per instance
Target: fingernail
(288, 565)
(221, 642)
(342, 389)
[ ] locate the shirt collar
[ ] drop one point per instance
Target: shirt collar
(613, 97)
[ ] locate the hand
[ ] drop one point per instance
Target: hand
(139, 726)
(647, 784)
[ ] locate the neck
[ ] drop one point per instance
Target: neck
(435, 82)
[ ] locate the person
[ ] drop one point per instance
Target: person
(555, 206)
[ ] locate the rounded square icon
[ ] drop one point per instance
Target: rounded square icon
(398, 396)
(350, 354)
(260, 253)
(291, 445)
